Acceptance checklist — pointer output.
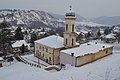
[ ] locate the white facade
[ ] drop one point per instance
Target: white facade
(67, 59)
(72, 60)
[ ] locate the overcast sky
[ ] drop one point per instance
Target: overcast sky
(86, 8)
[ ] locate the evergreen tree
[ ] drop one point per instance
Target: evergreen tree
(98, 33)
(107, 31)
(23, 48)
(3, 25)
(18, 34)
(88, 34)
(118, 37)
(33, 37)
(4, 39)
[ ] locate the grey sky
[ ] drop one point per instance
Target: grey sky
(86, 8)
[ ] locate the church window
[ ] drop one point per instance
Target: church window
(43, 55)
(46, 49)
(72, 41)
(66, 40)
(73, 28)
(43, 48)
(66, 27)
(40, 47)
(37, 52)
(40, 54)
(49, 58)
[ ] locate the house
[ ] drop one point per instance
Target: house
(116, 29)
(94, 33)
(110, 38)
(84, 33)
(17, 46)
(85, 53)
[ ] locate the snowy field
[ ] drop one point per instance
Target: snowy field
(107, 68)
(32, 59)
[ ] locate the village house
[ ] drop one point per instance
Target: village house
(116, 30)
(110, 38)
(17, 46)
(57, 50)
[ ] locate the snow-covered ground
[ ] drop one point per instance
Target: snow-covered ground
(107, 68)
(32, 59)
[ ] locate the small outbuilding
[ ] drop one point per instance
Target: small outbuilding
(17, 46)
(85, 53)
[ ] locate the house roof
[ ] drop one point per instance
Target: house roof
(84, 31)
(51, 41)
(1, 59)
(19, 43)
(110, 36)
(86, 48)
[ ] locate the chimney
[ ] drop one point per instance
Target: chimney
(72, 54)
(103, 46)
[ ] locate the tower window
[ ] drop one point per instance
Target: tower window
(73, 28)
(72, 41)
(43, 55)
(46, 49)
(43, 48)
(49, 58)
(66, 40)
(66, 27)
(40, 47)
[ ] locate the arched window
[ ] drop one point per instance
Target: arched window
(66, 27)
(49, 58)
(43, 48)
(73, 28)
(43, 55)
(66, 40)
(72, 41)
(40, 54)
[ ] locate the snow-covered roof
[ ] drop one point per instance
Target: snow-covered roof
(1, 58)
(110, 36)
(19, 43)
(78, 33)
(83, 31)
(86, 48)
(51, 41)
(41, 33)
(101, 31)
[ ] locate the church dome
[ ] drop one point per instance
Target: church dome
(70, 13)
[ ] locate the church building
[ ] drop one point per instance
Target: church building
(48, 48)
(58, 50)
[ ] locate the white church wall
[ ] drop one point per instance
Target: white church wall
(67, 59)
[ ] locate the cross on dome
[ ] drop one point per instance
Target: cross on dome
(70, 13)
(70, 7)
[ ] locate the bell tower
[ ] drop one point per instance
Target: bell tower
(69, 34)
